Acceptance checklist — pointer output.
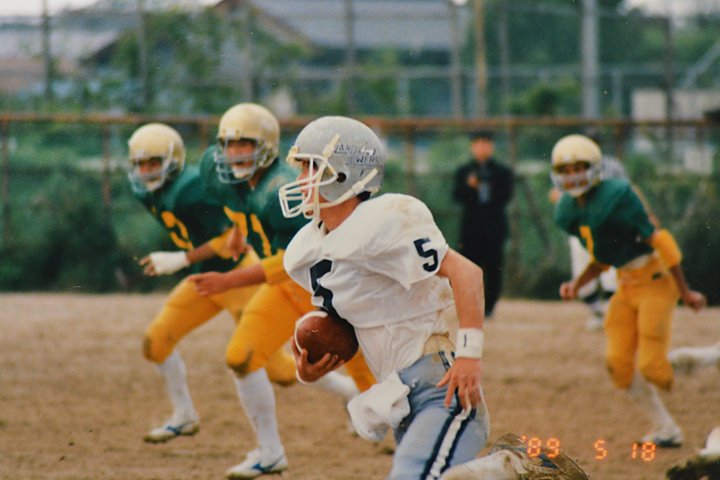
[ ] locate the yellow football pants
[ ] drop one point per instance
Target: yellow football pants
(185, 310)
(638, 325)
(268, 322)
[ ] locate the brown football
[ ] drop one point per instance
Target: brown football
(319, 333)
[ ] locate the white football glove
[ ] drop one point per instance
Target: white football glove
(166, 263)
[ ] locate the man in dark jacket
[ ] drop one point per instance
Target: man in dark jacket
(484, 188)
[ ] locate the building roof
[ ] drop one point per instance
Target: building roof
(84, 35)
(73, 34)
(407, 24)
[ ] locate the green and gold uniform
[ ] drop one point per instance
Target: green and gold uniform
(268, 322)
(190, 216)
(192, 219)
(615, 227)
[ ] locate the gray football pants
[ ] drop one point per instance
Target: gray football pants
(432, 438)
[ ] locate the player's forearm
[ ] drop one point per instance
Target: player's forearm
(470, 300)
(243, 277)
(466, 280)
(202, 253)
(591, 272)
(679, 277)
(671, 256)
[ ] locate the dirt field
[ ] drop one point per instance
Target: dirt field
(76, 396)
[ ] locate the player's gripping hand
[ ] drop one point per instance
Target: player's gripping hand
(464, 377)
(210, 283)
(568, 290)
(310, 372)
(694, 300)
(164, 263)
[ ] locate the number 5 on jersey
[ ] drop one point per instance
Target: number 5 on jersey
(430, 253)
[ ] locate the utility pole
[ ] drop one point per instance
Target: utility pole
(456, 67)
(248, 73)
(503, 41)
(590, 34)
(350, 60)
(143, 55)
(47, 54)
(6, 235)
(480, 59)
(666, 25)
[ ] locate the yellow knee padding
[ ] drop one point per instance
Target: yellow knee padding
(667, 248)
(156, 352)
(620, 374)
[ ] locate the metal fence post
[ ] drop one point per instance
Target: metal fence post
(410, 179)
(514, 263)
(5, 184)
(106, 172)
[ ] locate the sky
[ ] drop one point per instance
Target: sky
(34, 7)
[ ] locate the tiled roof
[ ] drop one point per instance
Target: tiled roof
(408, 24)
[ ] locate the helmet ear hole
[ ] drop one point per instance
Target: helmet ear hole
(341, 177)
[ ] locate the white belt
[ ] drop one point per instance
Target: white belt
(638, 262)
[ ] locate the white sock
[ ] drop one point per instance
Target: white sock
(258, 399)
(338, 383)
(174, 375)
(501, 465)
(647, 397)
(703, 356)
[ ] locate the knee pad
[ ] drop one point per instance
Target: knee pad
(660, 375)
(280, 368)
(239, 362)
(621, 373)
(154, 351)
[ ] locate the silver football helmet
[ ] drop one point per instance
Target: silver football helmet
(155, 140)
(246, 121)
(345, 158)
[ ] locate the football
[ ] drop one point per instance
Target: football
(319, 333)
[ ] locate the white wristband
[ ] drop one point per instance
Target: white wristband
(469, 343)
(166, 263)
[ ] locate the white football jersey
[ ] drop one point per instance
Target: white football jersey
(378, 271)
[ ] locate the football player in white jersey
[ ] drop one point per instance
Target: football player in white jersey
(383, 265)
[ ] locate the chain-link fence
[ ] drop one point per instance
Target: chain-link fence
(69, 219)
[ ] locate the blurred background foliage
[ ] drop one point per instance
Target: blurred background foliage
(200, 60)
(73, 224)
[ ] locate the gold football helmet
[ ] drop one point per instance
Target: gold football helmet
(246, 121)
(155, 140)
(572, 150)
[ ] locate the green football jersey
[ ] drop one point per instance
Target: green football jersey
(256, 210)
(190, 216)
(613, 225)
